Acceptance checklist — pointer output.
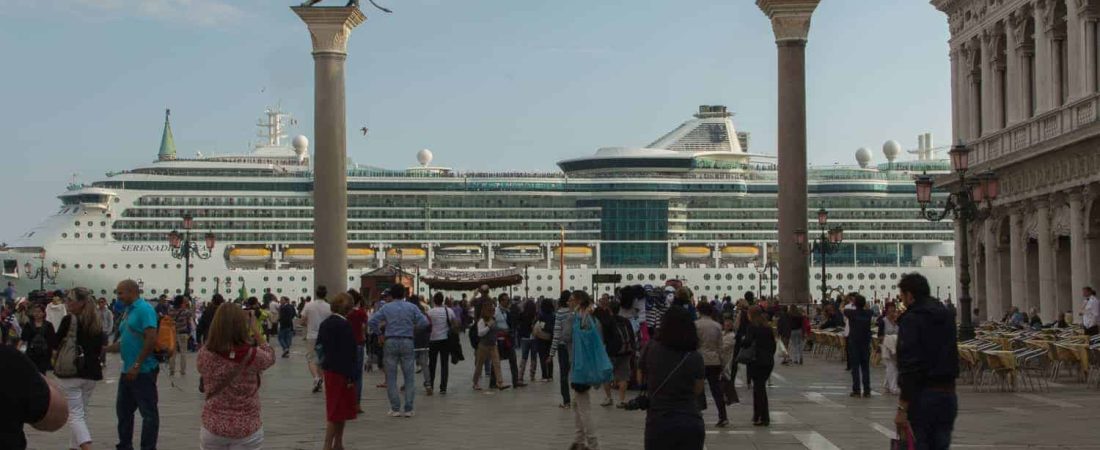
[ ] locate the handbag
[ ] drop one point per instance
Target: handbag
(747, 355)
(70, 357)
(454, 345)
(591, 365)
(642, 400)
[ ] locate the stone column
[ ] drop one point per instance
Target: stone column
(1089, 82)
(1079, 274)
(956, 96)
(993, 301)
(1044, 63)
(988, 90)
(1047, 293)
(791, 25)
(1075, 42)
(1017, 252)
(1015, 68)
(973, 72)
(329, 29)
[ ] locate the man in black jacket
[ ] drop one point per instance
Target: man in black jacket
(859, 345)
(928, 363)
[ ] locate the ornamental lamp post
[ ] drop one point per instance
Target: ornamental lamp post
(183, 247)
(828, 242)
(964, 204)
(42, 272)
(769, 267)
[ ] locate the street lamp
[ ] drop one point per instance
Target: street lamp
(183, 247)
(770, 267)
(828, 242)
(964, 205)
(42, 273)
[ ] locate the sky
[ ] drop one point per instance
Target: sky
(485, 84)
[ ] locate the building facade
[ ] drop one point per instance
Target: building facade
(1025, 93)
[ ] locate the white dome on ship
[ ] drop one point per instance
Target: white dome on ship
(863, 157)
(300, 144)
(891, 149)
(424, 157)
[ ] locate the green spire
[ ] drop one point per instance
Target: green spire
(167, 143)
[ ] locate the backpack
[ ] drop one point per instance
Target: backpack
(622, 340)
(166, 336)
(38, 346)
(70, 356)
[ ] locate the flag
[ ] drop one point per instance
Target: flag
(242, 294)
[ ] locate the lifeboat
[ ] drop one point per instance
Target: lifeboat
(691, 252)
(740, 252)
(305, 255)
(405, 255)
(249, 255)
(575, 252)
(460, 253)
(520, 253)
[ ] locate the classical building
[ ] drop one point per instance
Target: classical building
(1024, 79)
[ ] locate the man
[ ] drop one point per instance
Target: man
(506, 317)
(137, 388)
(859, 345)
(928, 363)
(1090, 317)
(315, 312)
(287, 313)
(9, 294)
(29, 398)
(402, 319)
(107, 321)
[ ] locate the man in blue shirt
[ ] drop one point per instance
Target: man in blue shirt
(402, 319)
(137, 388)
(9, 294)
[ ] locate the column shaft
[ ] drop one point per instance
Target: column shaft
(1078, 248)
(1044, 76)
(1014, 67)
(987, 92)
(956, 97)
(794, 282)
(993, 301)
(330, 186)
(1017, 252)
(1047, 294)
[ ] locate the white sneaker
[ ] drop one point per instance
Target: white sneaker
(394, 414)
(409, 413)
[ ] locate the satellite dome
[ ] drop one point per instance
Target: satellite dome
(424, 157)
(863, 157)
(891, 149)
(300, 144)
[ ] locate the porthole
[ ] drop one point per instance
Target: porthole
(539, 288)
(817, 276)
(740, 276)
(850, 276)
(76, 266)
(127, 266)
(252, 290)
(179, 266)
(103, 224)
(102, 266)
(64, 235)
(860, 276)
(706, 277)
(752, 276)
(265, 279)
(651, 277)
(291, 278)
(103, 235)
(77, 223)
(729, 276)
(304, 290)
(663, 276)
(696, 288)
(641, 276)
(203, 290)
(203, 279)
(893, 276)
(279, 290)
(152, 266)
(629, 277)
(706, 288)
(572, 277)
(279, 279)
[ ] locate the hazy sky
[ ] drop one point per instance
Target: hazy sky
(485, 84)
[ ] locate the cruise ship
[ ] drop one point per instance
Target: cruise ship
(695, 205)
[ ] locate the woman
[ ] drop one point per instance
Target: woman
(87, 336)
(543, 333)
(729, 343)
(888, 332)
(486, 330)
(673, 371)
(38, 335)
(443, 321)
(561, 315)
(336, 343)
(710, 346)
(583, 322)
(524, 329)
(761, 340)
(184, 317)
(357, 318)
(230, 364)
(799, 325)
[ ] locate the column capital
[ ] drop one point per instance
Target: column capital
(330, 27)
(790, 18)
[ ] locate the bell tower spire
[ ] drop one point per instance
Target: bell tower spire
(167, 143)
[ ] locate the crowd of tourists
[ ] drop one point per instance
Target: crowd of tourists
(662, 342)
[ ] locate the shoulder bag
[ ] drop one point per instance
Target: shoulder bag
(642, 400)
(70, 357)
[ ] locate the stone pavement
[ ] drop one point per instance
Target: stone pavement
(810, 410)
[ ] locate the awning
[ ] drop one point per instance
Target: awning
(468, 280)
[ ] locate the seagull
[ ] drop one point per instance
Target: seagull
(364, 130)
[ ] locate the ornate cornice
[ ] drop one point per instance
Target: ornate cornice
(330, 27)
(790, 18)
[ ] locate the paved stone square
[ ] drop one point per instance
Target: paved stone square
(810, 410)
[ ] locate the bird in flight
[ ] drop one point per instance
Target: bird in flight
(364, 130)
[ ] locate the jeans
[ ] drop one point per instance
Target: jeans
(932, 417)
(859, 359)
(674, 431)
(563, 372)
(438, 350)
(582, 420)
(797, 344)
(180, 356)
(77, 392)
(358, 378)
(211, 441)
(759, 374)
(713, 373)
(400, 352)
(141, 395)
(542, 348)
(285, 337)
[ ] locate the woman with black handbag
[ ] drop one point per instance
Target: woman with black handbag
(758, 353)
(674, 373)
(443, 331)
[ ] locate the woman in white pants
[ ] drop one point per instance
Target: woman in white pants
(888, 331)
(80, 331)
